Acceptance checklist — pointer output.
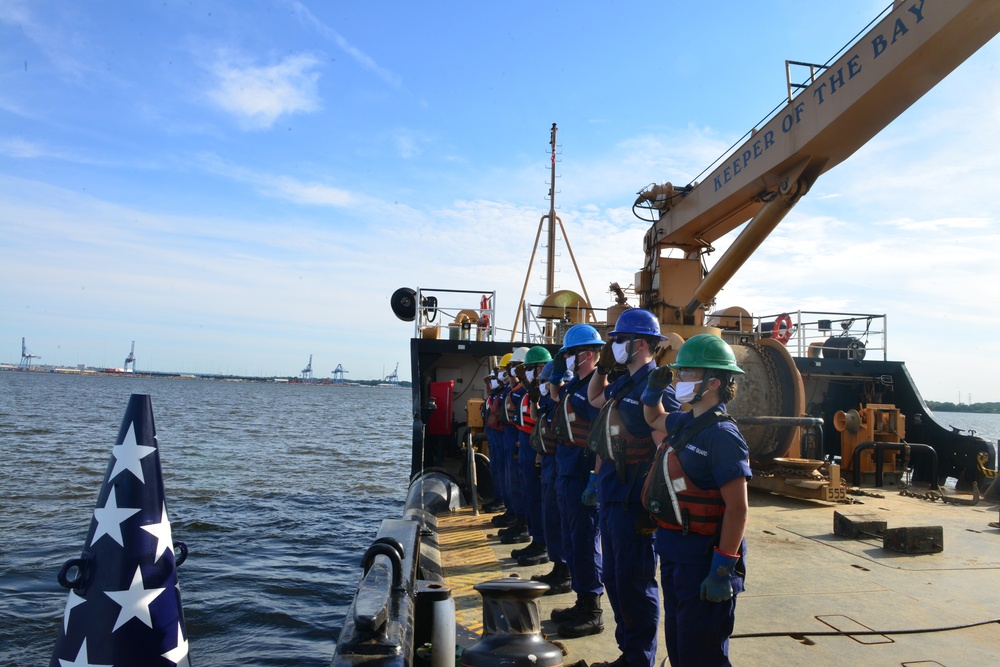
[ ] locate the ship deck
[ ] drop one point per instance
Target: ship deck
(807, 588)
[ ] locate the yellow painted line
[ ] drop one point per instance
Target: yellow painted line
(467, 559)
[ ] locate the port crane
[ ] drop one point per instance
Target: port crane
(26, 356)
(338, 374)
(130, 360)
(393, 377)
(307, 372)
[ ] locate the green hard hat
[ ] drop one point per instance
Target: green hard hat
(706, 351)
(537, 355)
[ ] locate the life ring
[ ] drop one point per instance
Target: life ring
(484, 314)
(782, 329)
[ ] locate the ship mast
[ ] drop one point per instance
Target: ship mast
(550, 281)
(550, 278)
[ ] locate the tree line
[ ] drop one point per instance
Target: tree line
(947, 406)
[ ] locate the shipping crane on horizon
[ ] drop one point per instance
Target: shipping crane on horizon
(130, 359)
(393, 377)
(307, 372)
(26, 356)
(338, 374)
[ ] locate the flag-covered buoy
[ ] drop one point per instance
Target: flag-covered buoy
(124, 605)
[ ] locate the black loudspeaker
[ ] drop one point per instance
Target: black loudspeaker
(404, 304)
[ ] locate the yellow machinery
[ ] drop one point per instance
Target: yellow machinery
(874, 422)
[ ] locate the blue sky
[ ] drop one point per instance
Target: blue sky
(238, 185)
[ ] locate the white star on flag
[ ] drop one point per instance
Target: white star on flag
(161, 531)
(81, 659)
(109, 519)
(129, 455)
(72, 601)
(180, 652)
(134, 602)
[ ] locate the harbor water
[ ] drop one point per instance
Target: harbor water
(276, 489)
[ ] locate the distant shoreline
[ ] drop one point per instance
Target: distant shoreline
(104, 372)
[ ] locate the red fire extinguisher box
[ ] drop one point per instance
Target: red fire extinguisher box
(441, 419)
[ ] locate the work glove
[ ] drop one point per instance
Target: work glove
(519, 372)
(533, 394)
(589, 495)
(717, 586)
(657, 381)
(605, 360)
(558, 368)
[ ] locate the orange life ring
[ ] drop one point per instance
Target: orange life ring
(782, 333)
(484, 315)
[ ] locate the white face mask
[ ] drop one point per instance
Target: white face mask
(530, 375)
(685, 391)
(502, 376)
(543, 389)
(621, 352)
(571, 363)
(494, 384)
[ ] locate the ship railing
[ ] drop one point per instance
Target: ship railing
(811, 333)
(546, 324)
(455, 314)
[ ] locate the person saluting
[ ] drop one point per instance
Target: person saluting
(702, 510)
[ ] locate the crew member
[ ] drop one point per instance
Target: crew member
(574, 472)
(518, 531)
(544, 406)
(628, 448)
(494, 430)
(498, 464)
(529, 463)
(702, 552)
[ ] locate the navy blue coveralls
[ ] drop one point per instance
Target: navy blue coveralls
(531, 479)
(629, 557)
(494, 438)
(581, 535)
(550, 504)
(696, 631)
(511, 454)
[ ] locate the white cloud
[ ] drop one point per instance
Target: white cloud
(283, 187)
(259, 95)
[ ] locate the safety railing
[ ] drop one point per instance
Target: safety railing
(826, 334)
(546, 325)
(455, 314)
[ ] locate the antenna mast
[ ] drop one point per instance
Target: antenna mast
(550, 283)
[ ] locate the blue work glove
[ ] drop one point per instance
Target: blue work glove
(658, 380)
(558, 368)
(717, 587)
(589, 495)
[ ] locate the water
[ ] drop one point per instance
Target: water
(276, 489)
(986, 427)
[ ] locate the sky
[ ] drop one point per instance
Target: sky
(236, 186)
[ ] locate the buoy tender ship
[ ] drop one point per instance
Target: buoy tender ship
(859, 552)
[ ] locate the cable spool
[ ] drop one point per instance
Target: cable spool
(771, 387)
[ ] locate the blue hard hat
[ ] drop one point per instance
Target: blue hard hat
(579, 335)
(639, 322)
(546, 373)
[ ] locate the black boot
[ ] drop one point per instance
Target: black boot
(620, 661)
(567, 613)
(558, 580)
(588, 621)
(506, 519)
(528, 550)
(494, 506)
(534, 554)
(516, 534)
